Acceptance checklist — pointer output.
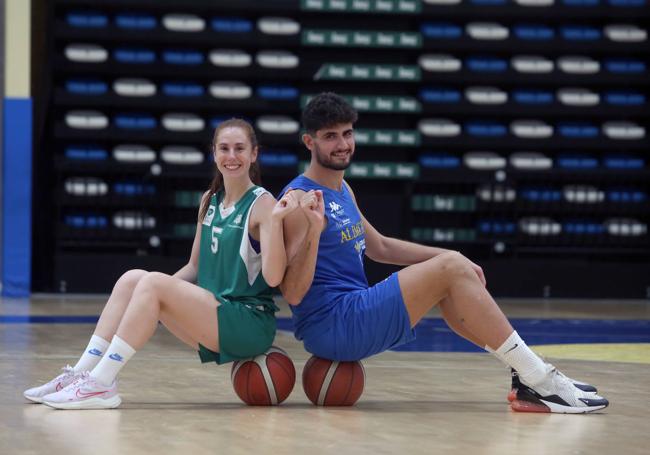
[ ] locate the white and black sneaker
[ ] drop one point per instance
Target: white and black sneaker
(556, 393)
(516, 383)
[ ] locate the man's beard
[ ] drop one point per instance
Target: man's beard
(326, 162)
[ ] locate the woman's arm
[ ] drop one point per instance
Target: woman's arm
(269, 215)
(302, 230)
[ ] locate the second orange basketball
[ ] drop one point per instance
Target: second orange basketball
(332, 383)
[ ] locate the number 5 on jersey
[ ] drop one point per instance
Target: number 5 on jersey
(215, 239)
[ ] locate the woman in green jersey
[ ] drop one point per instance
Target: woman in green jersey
(219, 303)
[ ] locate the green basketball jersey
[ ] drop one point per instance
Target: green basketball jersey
(229, 267)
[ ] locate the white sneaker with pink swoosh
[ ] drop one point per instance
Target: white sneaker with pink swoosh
(36, 394)
(85, 393)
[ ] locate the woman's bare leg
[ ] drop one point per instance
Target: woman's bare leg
(117, 303)
(191, 309)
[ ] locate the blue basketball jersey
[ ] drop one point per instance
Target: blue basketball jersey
(339, 266)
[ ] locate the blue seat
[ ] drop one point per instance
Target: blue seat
(136, 21)
(277, 92)
(89, 19)
(541, 194)
(533, 96)
(487, 64)
(577, 162)
(86, 86)
(441, 30)
(231, 25)
(135, 121)
(621, 98)
(624, 162)
(96, 222)
(578, 130)
(85, 152)
(215, 121)
(627, 3)
(580, 33)
(626, 196)
(486, 129)
(496, 227)
(182, 89)
(581, 3)
(625, 66)
(440, 95)
(534, 32)
(439, 161)
(134, 189)
(278, 159)
(86, 221)
(137, 56)
(583, 227)
(77, 221)
(175, 57)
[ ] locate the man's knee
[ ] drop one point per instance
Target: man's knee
(454, 266)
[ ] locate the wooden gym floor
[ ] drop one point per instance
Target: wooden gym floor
(414, 402)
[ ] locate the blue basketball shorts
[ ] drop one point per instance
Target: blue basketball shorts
(364, 323)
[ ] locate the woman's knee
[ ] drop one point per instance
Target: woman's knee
(150, 279)
(129, 280)
(151, 282)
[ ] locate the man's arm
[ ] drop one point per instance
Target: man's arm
(302, 229)
(390, 250)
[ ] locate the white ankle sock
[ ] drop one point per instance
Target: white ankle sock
(514, 352)
(117, 354)
(494, 353)
(92, 355)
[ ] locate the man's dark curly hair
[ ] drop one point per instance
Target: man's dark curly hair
(325, 110)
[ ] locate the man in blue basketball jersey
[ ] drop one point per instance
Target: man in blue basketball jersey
(339, 316)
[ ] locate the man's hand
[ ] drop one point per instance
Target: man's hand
(313, 207)
(479, 271)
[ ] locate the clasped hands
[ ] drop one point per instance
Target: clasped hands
(311, 203)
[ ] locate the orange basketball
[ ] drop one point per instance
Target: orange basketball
(331, 383)
(265, 380)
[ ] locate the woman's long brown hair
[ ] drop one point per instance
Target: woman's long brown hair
(217, 181)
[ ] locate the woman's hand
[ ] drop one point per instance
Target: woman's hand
(285, 206)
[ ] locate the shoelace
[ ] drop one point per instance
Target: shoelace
(67, 370)
(80, 378)
(556, 374)
(559, 373)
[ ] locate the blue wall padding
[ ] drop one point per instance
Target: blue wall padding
(16, 244)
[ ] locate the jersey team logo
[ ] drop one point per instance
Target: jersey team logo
(209, 215)
(237, 219)
(338, 214)
(334, 207)
(360, 246)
